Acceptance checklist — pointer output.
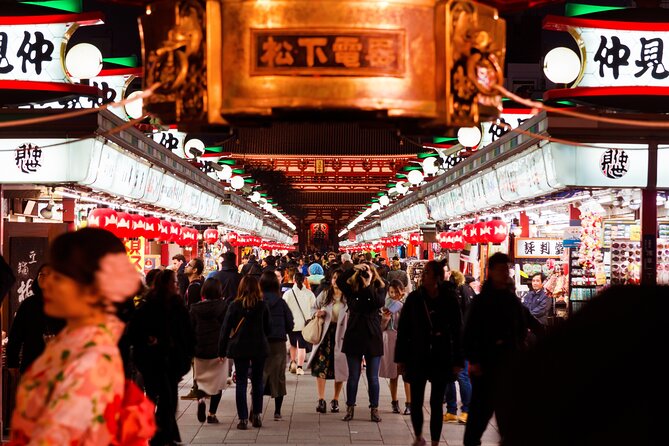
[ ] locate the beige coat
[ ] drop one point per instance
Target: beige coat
(341, 367)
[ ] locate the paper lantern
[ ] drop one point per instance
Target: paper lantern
(175, 232)
(164, 231)
(482, 232)
(137, 226)
(458, 243)
(415, 238)
(233, 238)
(442, 237)
(211, 236)
(188, 236)
(123, 225)
(103, 218)
(151, 228)
(498, 231)
(470, 234)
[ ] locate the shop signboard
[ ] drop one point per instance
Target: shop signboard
(171, 139)
(171, 193)
(153, 183)
(601, 165)
(191, 200)
(525, 176)
(135, 249)
(538, 248)
(510, 119)
(572, 237)
(27, 254)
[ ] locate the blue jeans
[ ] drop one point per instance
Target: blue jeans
(354, 367)
(465, 393)
(242, 367)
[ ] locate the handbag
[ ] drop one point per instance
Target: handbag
(236, 329)
(313, 331)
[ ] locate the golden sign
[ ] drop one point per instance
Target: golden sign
(320, 168)
(327, 52)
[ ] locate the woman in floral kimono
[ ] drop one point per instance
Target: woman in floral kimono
(75, 393)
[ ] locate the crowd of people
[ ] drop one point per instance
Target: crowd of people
(250, 315)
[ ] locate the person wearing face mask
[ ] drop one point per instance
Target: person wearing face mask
(495, 332)
(429, 346)
(365, 293)
(327, 362)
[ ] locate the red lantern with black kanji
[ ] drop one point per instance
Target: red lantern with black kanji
(123, 225)
(498, 231)
(175, 232)
(164, 231)
(137, 226)
(151, 228)
(103, 218)
(470, 234)
(458, 243)
(211, 236)
(482, 232)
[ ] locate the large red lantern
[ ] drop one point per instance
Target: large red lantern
(188, 237)
(233, 238)
(164, 231)
(103, 218)
(137, 226)
(470, 234)
(123, 225)
(151, 228)
(175, 232)
(442, 237)
(415, 238)
(482, 232)
(211, 236)
(458, 243)
(498, 231)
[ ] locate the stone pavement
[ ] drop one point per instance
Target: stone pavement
(301, 425)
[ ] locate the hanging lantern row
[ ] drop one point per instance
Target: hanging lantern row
(243, 240)
(494, 231)
(273, 245)
(125, 225)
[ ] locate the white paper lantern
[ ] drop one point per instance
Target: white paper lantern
(375, 207)
(135, 109)
(384, 200)
(469, 136)
(83, 61)
(415, 177)
(255, 196)
(225, 173)
(401, 187)
(193, 148)
(430, 166)
(562, 65)
(237, 182)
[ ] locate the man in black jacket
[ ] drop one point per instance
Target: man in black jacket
(252, 267)
(494, 333)
(179, 267)
(228, 276)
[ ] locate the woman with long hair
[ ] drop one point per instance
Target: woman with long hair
(163, 345)
(389, 321)
(300, 300)
(274, 376)
(327, 361)
(210, 371)
(74, 392)
(365, 294)
(429, 346)
(244, 339)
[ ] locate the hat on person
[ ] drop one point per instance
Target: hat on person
(315, 269)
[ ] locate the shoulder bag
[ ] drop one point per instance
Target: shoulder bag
(234, 332)
(313, 328)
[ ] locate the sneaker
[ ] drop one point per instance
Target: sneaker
(407, 408)
(211, 419)
(463, 418)
(292, 367)
(277, 416)
(450, 418)
(201, 411)
(192, 395)
(395, 405)
(299, 371)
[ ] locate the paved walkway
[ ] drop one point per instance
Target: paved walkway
(301, 425)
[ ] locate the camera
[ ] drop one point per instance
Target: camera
(364, 274)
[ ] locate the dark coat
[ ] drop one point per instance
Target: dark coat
(182, 280)
(430, 346)
(537, 302)
(193, 292)
(251, 339)
(282, 317)
(496, 328)
(363, 332)
(207, 318)
(26, 335)
(162, 337)
(229, 278)
(252, 268)
(466, 295)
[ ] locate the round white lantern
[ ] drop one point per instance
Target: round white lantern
(375, 207)
(225, 173)
(430, 165)
(83, 61)
(415, 177)
(401, 187)
(469, 136)
(384, 200)
(193, 148)
(237, 182)
(562, 65)
(135, 109)
(255, 196)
